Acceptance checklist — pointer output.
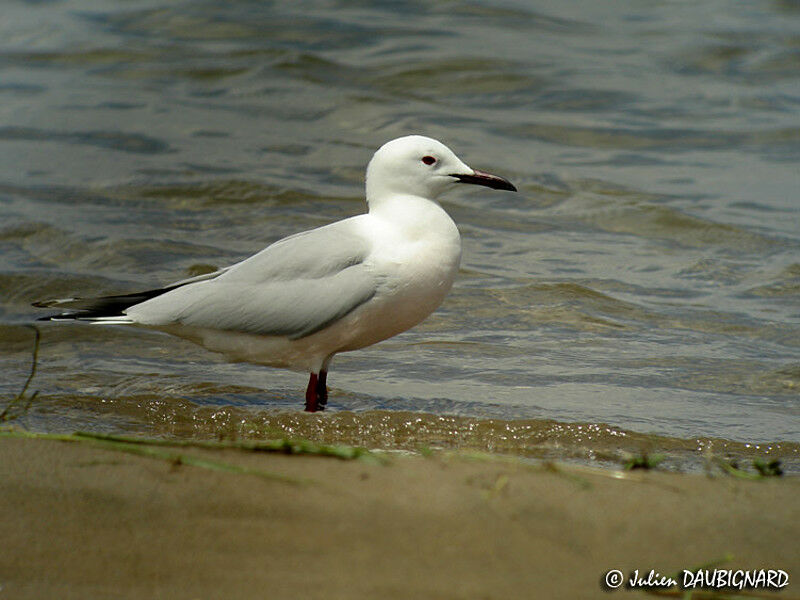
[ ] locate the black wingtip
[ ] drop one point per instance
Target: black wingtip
(60, 317)
(103, 306)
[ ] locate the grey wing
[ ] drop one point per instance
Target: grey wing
(293, 288)
(311, 254)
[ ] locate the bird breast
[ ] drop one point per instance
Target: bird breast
(417, 267)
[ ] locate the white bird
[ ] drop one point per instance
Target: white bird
(333, 289)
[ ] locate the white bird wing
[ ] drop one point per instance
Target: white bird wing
(293, 288)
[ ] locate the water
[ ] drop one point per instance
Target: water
(646, 279)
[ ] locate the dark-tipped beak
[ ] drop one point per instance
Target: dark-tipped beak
(482, 178)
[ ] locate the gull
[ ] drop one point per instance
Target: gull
(337, 288)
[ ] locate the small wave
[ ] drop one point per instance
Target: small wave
(110, 140)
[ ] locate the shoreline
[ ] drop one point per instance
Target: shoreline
(590, 443)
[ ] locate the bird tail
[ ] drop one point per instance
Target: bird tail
(110, 310)
(107, 310)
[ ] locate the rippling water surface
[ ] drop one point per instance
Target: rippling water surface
(647, 275)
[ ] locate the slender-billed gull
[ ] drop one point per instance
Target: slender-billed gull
(336, 288)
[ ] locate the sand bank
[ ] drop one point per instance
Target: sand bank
(80, 521)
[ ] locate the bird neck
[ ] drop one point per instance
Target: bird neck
(414, 215)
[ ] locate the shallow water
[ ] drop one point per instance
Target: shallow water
(647, 275)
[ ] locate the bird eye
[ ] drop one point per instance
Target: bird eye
(428, 160)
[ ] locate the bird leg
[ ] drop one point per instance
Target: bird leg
(322, 389)
(316, 392)
(311, 393)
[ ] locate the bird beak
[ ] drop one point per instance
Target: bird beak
(482, 178)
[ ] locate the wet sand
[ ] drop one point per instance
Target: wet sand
(84, 522)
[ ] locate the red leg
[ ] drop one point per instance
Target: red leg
(322, 389)
(311, 393)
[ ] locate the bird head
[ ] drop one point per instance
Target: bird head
(421, 166)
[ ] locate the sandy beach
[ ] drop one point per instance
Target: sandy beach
(83, 521)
